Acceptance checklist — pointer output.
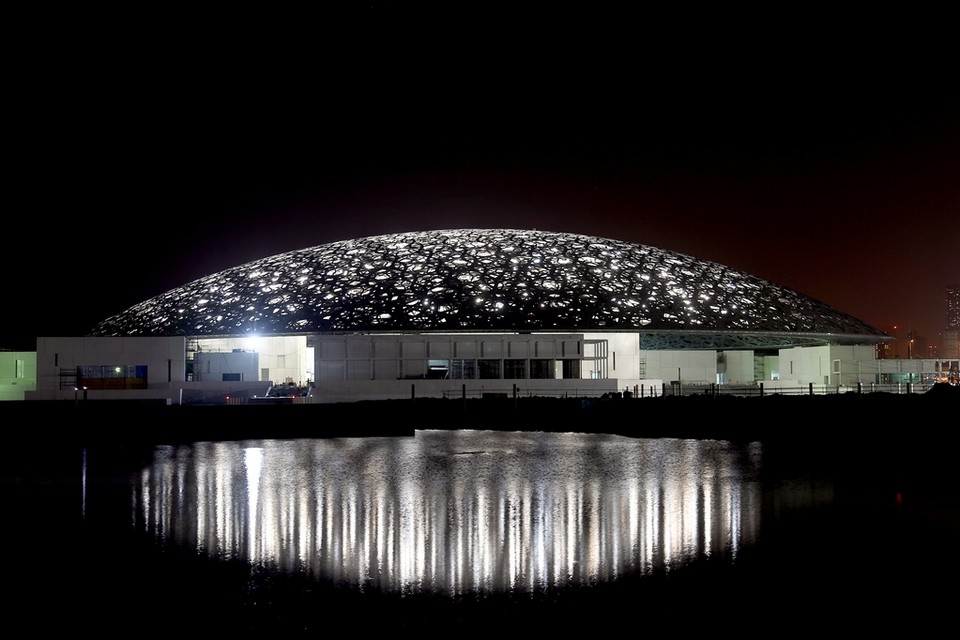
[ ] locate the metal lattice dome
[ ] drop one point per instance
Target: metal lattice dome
(497, 280)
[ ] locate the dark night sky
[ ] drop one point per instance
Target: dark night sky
(823, 158)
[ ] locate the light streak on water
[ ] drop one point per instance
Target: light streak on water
(456, 512)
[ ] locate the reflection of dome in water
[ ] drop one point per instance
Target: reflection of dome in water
(475, 280)
(458, 513)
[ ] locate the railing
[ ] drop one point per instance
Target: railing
(533, 392)
(797, 390)
(757, 390)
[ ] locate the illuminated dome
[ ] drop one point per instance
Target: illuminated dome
(496, 280)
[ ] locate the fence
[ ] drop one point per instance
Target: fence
(639, 391)
(811, 389)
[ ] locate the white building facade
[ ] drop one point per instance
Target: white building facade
(400, 366)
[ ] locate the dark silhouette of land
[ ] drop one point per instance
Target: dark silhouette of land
(767, 418)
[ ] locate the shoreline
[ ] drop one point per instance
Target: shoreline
(766, 419)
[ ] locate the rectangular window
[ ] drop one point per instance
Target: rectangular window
(19, 369)
(232, 377)
(489, 369)
(438, 369)
(514, 369)
(541, 369)
(112, 376)
(462, 369)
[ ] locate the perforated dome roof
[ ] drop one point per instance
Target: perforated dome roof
(493, 280)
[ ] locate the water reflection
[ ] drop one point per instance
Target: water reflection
(457, 512)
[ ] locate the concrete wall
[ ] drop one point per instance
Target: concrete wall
(850, 365)
(623, 355)
(692, 367)
(800, 366)
(740, 367)
(18, 374)
(830, 365)
(222, 366)
(58, 359)
(417, 356)
(397, 366)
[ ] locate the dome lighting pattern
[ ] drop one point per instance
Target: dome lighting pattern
(492, 280)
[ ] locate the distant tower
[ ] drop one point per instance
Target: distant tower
(953, 306)
(951, 336)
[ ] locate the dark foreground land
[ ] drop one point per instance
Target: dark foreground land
(880, 558)
(768, 418)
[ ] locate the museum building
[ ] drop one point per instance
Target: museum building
(462, 313)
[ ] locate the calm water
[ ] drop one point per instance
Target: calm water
(477, 530)
(457, 512)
